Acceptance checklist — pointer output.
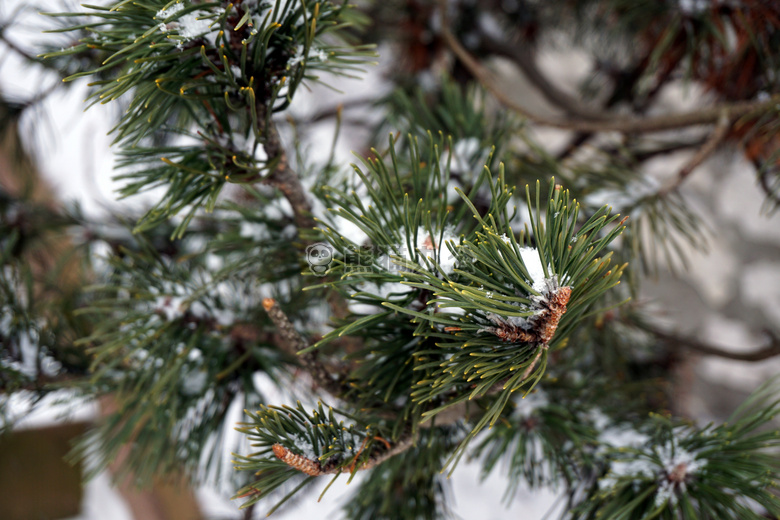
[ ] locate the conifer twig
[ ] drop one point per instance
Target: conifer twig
(293, 343)
(314, 468)
(704, 116)
(288, 182)
(545, 323)
(284, 178)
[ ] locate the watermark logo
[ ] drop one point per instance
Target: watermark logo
(319, 256)
(369, 259)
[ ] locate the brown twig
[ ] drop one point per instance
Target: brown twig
(640, 156)
(704, 116)
(771, 350)
(293, 342)
(284, 178)
(717, 136)
(772, 192)
(315, 468)
(287, 181)
(249, 511)
(624, 84)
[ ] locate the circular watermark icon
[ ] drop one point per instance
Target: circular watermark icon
(319, 256)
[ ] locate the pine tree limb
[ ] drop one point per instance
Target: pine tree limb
(287, 181)
(704, 116)
(249, 512)
(401, 446)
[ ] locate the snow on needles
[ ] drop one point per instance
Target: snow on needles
(194, 24)
(429, 248)
(670, 467)
(533, 265)
(435, 248)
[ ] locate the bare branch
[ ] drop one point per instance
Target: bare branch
(249, 512)
(288, 182)
(333, 111)
(524, 59)
(772, 192)
(705, 116)
(285, 179)
(717, 136)
(293, 342)
(771, 350)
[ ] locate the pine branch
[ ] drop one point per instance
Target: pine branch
(397, 448)
(286, 180)
(408, 485)
(458, 306)
(679, 471)
(290, 441)
(313, 467)
(704, 116)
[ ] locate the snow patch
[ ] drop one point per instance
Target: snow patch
(172, 307)
(533, 264)
(195, 24)
(434, 247)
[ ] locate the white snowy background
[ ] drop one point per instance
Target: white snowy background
(727, 299)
